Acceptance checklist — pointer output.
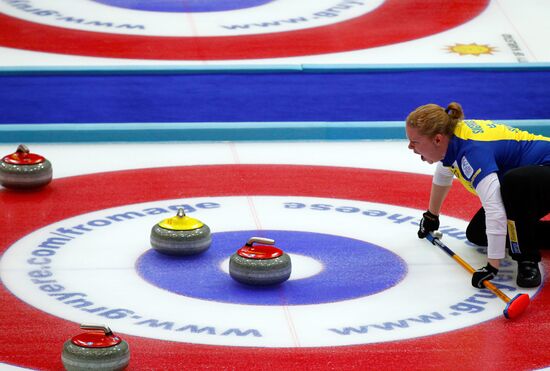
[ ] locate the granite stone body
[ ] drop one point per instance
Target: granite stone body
(260, 272)
(172, 242)
(180, 235)
(99, 350)
(25, 170)
(77, 358)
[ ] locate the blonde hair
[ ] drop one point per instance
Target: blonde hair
(432, 119)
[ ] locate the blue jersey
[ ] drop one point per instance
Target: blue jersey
(479, 148)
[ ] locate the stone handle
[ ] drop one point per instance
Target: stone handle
(104, 328)
(267, 241)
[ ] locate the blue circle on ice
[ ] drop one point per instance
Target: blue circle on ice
(351, 269)
(184, 6)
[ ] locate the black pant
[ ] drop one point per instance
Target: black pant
(526, 195)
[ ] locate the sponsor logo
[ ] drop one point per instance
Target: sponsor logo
(471, 49)
(515, 48)
(467, 169)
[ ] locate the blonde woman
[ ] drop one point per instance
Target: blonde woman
(508, 169)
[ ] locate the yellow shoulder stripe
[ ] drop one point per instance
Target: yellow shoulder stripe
(485, 130)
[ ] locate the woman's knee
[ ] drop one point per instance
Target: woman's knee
(476, 235)
(476, 230)
(513, 183)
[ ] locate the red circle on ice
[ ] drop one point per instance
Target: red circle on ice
(72, 196)
(394, 21)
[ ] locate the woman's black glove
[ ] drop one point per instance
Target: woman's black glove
(488, 272)
(428, 223)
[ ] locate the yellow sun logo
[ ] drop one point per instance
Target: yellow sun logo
(471, 49)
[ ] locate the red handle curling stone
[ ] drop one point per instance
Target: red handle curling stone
(260, 265)
(97, 349)
(24, 170)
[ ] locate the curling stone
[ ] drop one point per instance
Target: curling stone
(24, 170)
(99, 349)
(180, 235)
(260, 264)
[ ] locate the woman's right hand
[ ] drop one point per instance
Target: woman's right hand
(428, 223)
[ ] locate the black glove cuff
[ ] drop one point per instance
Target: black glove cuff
(488, 272)
(491, 269)
(430, 216)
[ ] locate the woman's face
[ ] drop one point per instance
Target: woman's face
(430, 149)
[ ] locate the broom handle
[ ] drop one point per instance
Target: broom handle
(436, 241)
